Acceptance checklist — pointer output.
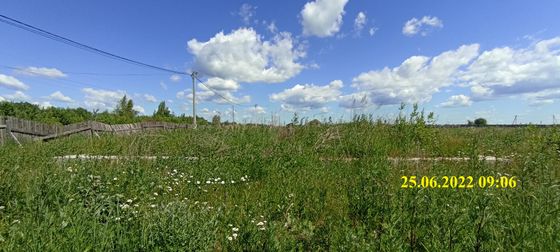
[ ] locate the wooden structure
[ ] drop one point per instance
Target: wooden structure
(21, 130)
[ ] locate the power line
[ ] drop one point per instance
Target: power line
(80, 73)
(217, 93)
(67, 41)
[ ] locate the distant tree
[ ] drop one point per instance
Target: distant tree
(314, 122)
(480, 122)
(125, 110)
(162, 110)
(216, 120)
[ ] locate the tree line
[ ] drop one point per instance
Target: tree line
(123, 113)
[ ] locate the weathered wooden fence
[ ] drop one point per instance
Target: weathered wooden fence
(21, 130)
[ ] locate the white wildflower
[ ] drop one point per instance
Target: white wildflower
(235, 229)
(230, 238)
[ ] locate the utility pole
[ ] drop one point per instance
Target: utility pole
(193, 75)
(233, 113)
(256, 119)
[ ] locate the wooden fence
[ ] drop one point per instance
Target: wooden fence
(21, 130)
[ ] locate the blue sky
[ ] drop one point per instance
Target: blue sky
(459, 59)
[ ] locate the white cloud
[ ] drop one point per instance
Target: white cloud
(42, 71)
(175, 78)
(538, 103)
(149, 98)
(358, 100)
(139, 108)
(163, 85)
(221, 84)
(503, 72)
(2, 99)
(17, 96)
(59, 96)
(102, 99)
(372, 31)
(11, 82)
(322, 18)
(544, 97)
(422, 26)
(457, 101)
(44, 104)
(360, 22)
(308, 96)
(416, 79)
(207, 112)
(272, 27)
(203, 94)
(243, 56)
(246, 12)
(256, 110)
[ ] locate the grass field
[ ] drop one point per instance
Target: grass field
(326, 187)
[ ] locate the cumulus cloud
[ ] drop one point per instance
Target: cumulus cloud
(17, 96)
(360, 22)
(246, 12)
(322, 18)
(175, 78)
(372, 31)
(59, 96)
(308, 96)
(359, 100)
(531, 72)
(422, 26)
(139, 109)
(149, 98)
(457, 101)
(2, 99)
(256, 110)
(544, 97)
(244, 56)
(163, 85)
(222, 84)
(203, 94)
(42, 71)
(44, 104)
(12, 83)
(272, 27)
(102, 99)
(416, 79)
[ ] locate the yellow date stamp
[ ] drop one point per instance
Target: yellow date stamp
(458, 182)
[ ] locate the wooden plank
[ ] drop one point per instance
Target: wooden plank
(67, 133)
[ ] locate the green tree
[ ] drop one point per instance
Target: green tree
(162, 110)
(216, 120)
(480, 122)
(125, 110)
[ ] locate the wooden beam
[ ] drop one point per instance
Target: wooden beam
(67, 133)
(3, 126)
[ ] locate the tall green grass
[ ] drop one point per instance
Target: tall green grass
(323, 187)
